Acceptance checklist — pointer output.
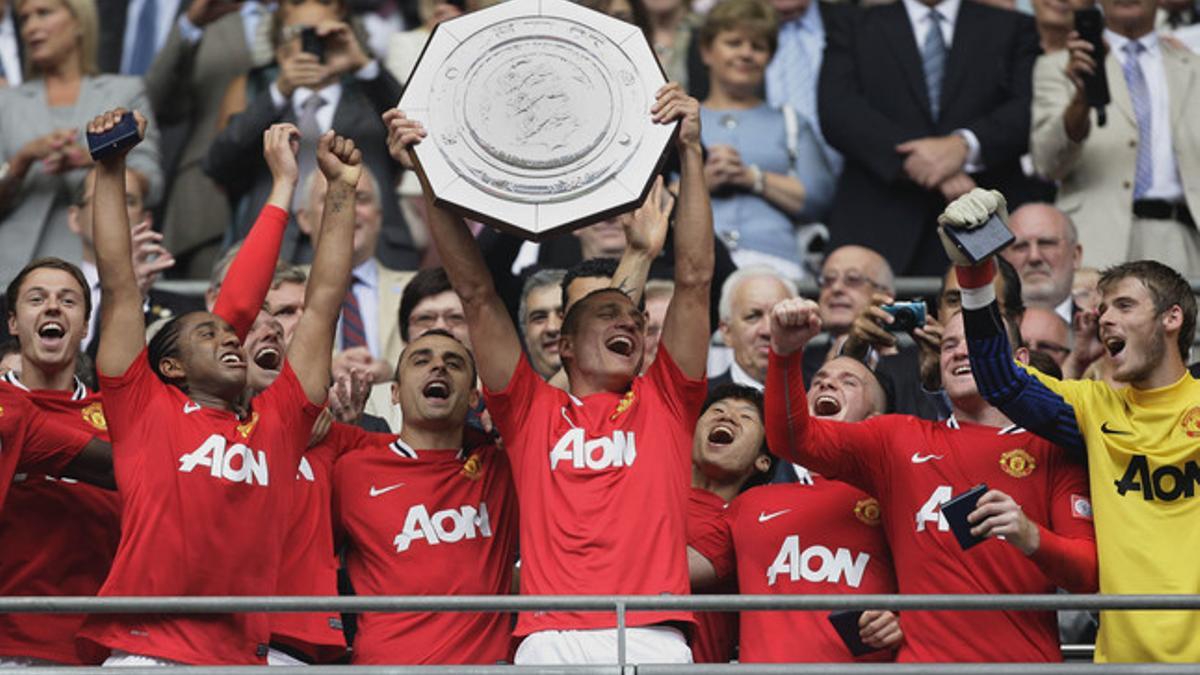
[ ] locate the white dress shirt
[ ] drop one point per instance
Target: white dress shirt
(10, 56)
(1166, 184)
(167, 10)
(743, 378)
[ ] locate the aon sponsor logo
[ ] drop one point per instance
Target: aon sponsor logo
(931, 510)
(1167, 483)
(595, 454)
(448, 526)
(817, 564)
(236, 463)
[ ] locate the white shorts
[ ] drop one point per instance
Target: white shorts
(648, 644)
(278, 658)
(26, 662)
(121, 659)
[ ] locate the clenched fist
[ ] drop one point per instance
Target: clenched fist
(794, 322)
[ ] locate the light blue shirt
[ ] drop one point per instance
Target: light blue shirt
(806, 33)
(749, 221)
(167, 9)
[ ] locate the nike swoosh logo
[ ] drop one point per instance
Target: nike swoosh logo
(763, 516)
(918, 458)
(1115, 432)
(189, 408)
(375, 492)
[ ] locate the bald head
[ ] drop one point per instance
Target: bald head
(1043, 330)
(849, 276)
(1046, 254)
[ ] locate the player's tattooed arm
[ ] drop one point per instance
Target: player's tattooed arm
(645, 233)
(694, 242)
(311, 350)
(498, 347)
(122, 324)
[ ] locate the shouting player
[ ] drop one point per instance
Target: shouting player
(816, 536)
(424, 514)
(1140, 441)
(602, 470)
(204, 480)
(1036, 502)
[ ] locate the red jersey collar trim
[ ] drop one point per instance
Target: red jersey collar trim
(1009, 430)
(408, 452)
(80, 393)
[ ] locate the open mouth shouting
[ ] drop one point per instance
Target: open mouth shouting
(826, 405)
(620, 344)
(268, 357)
(233, 359)
(52, 333)
(721, 435)
(437, 390)
(1114, 344)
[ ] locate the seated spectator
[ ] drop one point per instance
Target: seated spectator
(211, 43)
(348, 91)
(849, 277)
(1046, 254)
(540, 320)
(747, 297)
(1043, 330)
(43, 155)
(764, 166)
(1133, 184)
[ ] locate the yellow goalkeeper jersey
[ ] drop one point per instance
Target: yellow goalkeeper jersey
(1143, 451)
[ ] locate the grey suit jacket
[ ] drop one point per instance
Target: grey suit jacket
(186, 84)
(1097, 174)
(36, 224)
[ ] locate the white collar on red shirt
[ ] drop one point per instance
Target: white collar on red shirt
(406, 451)
(1003, 431)
(79, 394)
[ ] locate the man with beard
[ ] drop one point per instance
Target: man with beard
(424, 513)
(768, 532)
(1037, 501)
(601, 470)
(1140, 440)
(204, 479)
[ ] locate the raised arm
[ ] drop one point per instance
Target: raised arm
(645, 233)
(311, 350)
(250, 274)
(497, 346)
(693, 238)
(122, 324)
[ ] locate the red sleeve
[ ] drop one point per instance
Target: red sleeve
(511, 407)
(684, 396)
(250, 274)
(710, 534)
(848, 452)
(45, 446)
(1067, 553)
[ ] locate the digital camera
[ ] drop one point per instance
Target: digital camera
(908, 316)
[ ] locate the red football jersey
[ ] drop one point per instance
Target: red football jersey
(912, 466)
(310, 563)
(59, 536)
(603, 484)
(29, 441)
(428, 522)
(204, 495)
(822, 538)
(716, 632)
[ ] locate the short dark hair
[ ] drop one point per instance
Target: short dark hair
(741, 392)
(1045, 364)
(1167, 288)
(571, 319)
(425, 284)
(591, 268)
(14, 286)
(443, 333)
(755, 16)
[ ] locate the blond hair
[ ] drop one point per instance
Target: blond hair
(84, 12)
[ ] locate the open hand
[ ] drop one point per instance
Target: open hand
(281, 142)
(646, 228)
(794, 322)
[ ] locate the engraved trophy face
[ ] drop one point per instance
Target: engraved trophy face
(538, 113)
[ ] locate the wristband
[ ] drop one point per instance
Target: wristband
(975, 276)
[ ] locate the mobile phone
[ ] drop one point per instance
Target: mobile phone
(980, 243)
(1089, 23)
(116, 139)
(312, 43)
(956, 510)
(845, 622)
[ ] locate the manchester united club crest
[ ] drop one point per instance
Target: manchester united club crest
(472, 468)
(622, 406)
(1191, 423)
(93, 414)
(1017, 463)
(246, 428)
(867, 510)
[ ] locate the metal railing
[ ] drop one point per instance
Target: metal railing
(622, 605)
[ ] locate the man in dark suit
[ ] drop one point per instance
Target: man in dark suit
(747, 297)
(346, 91)
(925, 99)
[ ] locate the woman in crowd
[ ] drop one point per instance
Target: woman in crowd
(670, 26)
(43, 156)
(765, 169)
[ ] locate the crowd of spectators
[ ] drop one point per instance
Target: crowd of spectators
(831, 136)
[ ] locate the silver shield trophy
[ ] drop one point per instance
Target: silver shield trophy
(538, 115)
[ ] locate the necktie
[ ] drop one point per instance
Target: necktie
(310, 132)
(790, 73)
(933, 59)
(144, 39)
(1139, 95)
(353, 333)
